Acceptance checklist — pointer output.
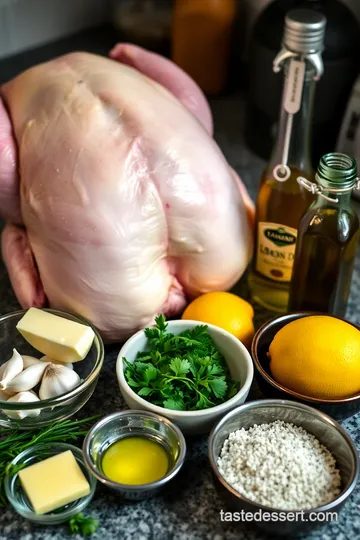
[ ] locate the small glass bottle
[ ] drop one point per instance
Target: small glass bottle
(281, 201)
(327, 240)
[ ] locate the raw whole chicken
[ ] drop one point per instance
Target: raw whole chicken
(119, 204)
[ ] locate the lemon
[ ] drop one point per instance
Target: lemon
(318, 356)
(225, 310)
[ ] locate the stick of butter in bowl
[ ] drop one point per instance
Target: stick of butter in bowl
(54, 336)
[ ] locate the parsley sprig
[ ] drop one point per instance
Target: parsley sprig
(80, 524)
(181, 372)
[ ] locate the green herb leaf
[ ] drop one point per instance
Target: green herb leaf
(203, 402)
(131, 382)
(13, 469)
(145, 391)
(174, 404)
(215, 369)
(218, 386)
(179, 366)
(161, 323)
(83, 525)
(141, 367)
(150, 373)
(180, 372)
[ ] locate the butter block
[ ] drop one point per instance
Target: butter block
(59, 338)
(54, 482)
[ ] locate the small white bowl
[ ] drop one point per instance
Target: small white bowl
(191, 422)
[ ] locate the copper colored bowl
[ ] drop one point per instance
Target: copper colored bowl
(337, 408)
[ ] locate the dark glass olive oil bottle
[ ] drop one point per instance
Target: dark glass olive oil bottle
(281, 201)
(327, 240)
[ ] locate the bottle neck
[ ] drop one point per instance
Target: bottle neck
(337, 177)
(343, 200)
(335, 180)
(299, 156)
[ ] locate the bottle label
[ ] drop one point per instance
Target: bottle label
(275, 251)
(294, 86)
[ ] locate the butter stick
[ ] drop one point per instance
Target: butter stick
(57, 337)
(54, 482)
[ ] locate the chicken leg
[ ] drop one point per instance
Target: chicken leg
(19, 260)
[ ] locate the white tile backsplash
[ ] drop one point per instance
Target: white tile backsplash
(28, 23)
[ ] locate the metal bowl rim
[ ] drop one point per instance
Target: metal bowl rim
(52, 402)
(261, 403)
(254, 354)
(138, 487)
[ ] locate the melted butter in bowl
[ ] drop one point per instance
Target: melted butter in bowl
(135, 461)
(135, 453)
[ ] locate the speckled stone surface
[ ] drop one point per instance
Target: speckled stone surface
(190, 508)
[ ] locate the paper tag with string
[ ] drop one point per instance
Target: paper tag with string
(292, 103)
(294, 86)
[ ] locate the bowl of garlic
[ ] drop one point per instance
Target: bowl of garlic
(49, 366)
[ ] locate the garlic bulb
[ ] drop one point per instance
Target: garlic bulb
(27, 379)
(22, 397)
(11, 368)
(57, 380)
(48, 359)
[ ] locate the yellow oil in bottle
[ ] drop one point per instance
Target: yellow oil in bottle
(281, 201)
(327, 241)
(325, 262)
(279, 208)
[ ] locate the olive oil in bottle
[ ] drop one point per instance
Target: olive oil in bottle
(327, 240)
(281, 200)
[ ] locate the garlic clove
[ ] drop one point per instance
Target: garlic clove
(30, 360)
(27, 379)
(11, 369)
(57, 362)
(9, 393)
(22, 397)
(57, 380)
(3, 396)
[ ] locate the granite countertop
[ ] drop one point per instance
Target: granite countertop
(190, 508)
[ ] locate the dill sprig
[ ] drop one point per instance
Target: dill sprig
(13, 441)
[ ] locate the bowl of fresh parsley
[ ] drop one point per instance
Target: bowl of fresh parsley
(191, 373)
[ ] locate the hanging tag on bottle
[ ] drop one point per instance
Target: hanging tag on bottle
(294, 86)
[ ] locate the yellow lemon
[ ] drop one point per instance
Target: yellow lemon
(225, 310)
(318, 356)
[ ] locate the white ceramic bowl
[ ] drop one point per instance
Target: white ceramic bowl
(191, 422)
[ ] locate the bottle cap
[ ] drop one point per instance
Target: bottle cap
(304, 31)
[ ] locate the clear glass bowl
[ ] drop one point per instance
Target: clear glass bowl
(61, 407)
(17, 497)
